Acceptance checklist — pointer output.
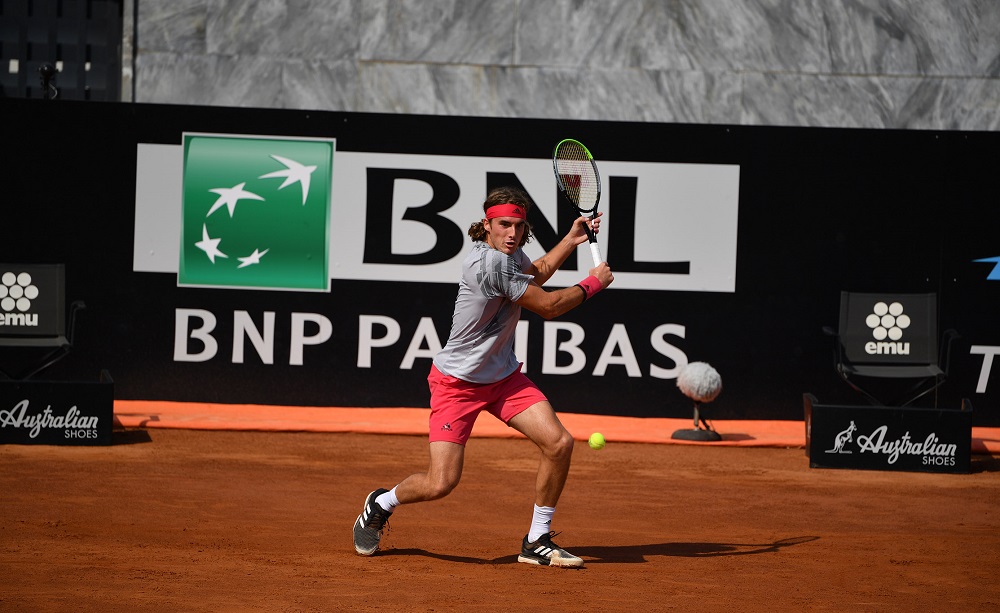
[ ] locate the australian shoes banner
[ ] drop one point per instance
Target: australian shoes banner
(888, 438)
(57, 412)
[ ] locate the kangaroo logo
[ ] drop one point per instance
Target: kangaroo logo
(842, 439)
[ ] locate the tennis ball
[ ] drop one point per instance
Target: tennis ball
(596, 441)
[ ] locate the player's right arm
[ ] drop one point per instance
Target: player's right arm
(544, 267)
(550, 304)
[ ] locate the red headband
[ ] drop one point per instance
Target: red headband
(505, 210)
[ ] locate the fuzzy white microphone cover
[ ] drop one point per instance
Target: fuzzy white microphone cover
(700, 382)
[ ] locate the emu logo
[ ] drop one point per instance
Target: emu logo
(887, 321)
(884, 348)
(842, 439)
(16, 293)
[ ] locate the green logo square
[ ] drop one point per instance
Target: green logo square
(256, 212)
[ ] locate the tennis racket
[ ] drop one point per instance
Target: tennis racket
(580, 183)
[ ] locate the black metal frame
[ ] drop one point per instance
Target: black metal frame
(61, 344)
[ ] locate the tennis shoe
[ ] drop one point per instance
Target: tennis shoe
(369, 525)
(546, 553)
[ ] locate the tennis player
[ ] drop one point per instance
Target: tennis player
(477, 370)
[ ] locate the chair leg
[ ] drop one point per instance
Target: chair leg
(50, 359)
(872, 399)
(918, 395)
(915, 393)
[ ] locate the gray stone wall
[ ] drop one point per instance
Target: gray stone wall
(910, 64)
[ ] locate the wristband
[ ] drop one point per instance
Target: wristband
(590, 286)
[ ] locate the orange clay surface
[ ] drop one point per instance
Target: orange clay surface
(170, 519)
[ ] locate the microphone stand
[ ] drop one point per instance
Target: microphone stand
(48, 73)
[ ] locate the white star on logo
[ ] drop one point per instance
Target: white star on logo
(230, 196)
(293, 173)
(209, 245)
(253, 258)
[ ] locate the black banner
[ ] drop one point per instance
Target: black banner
(57, 412)
(747, 287)
(880, 438)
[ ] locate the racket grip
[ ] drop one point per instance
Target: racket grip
(595, 251)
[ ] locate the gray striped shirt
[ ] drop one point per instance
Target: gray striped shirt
(480, 348)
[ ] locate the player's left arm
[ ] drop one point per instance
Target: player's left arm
(544, 267)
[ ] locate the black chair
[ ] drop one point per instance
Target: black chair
(891, 337)
(33, 311)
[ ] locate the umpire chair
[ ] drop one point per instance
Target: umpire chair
(32, 310)
(889, 336)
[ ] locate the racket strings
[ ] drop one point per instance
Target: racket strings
(577, 176)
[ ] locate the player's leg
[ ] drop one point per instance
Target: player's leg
(443, 474)
(541, 425)
(454, 409)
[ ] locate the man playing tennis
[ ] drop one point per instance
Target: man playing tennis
(477, 370)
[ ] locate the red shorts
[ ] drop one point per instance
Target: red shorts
(455, 404)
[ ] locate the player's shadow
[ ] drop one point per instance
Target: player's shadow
(636, 554)
(413, 551)
(630, 554)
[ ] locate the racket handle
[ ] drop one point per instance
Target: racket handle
(595, 251)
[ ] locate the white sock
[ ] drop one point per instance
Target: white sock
(541, 522)
(388, 500)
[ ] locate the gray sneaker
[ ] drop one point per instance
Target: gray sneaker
(369, 525)
(546, 553)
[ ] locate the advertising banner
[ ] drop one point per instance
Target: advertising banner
(57, 412)
(888, 438)
(312, 258)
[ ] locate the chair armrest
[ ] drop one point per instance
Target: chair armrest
(77, 305)
(947, 339)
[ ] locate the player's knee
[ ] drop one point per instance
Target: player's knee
(442, 486)
(566, 443)
(561, 447)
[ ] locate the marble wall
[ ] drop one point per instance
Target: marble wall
(909, 64)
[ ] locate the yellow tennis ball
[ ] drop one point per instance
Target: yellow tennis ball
(596, 441)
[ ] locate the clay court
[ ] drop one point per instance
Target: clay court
(194, 520)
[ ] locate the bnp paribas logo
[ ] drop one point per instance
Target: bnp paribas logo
(256, 212)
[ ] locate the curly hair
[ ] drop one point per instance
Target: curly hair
(503, 195)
